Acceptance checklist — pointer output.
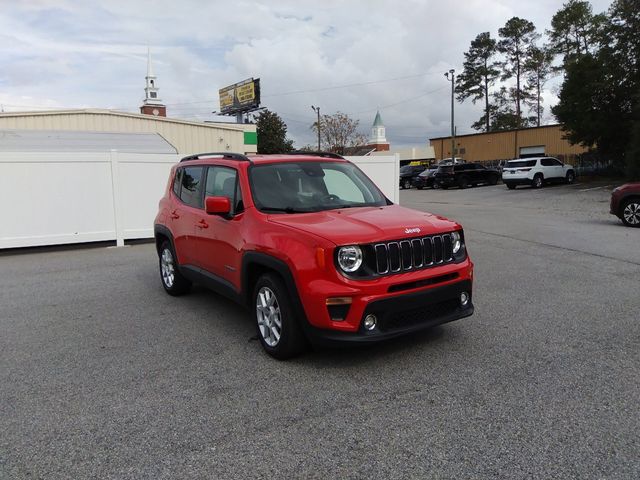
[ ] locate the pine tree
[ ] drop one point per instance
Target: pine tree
(517, 37)
(479, 73)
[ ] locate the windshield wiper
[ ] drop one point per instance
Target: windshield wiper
(284, 209)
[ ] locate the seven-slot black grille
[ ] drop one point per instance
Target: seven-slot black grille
(413, 253)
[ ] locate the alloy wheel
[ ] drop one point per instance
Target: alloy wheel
(269, 317)
(537, 181)
(167, 268)
(631, 213)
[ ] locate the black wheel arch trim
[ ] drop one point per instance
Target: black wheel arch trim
(250, 259)
(164, 231)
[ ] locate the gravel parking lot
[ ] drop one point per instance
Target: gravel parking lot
(103, 375)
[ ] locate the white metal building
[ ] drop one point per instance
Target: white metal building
(186, 136)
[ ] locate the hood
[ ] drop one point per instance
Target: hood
(367, 224)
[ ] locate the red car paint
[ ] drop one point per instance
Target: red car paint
(304, 242)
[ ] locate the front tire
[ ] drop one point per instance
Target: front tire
(278, 329)
(173, 281)
(463, 182)
(630, 213)
(407, 185)
(511, 186)
(570, 178)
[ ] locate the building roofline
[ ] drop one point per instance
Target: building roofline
(498, 131)
(101, 111)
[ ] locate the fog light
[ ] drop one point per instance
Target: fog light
(464, 299)
(370, 322)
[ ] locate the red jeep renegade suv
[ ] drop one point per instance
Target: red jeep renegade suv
(312, 247)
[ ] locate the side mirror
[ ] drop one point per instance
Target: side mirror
(217, 205)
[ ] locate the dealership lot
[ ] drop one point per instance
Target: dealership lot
(104, 375)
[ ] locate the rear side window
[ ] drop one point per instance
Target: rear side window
(521, 163)
(191, 191)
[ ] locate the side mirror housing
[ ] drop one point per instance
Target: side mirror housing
(217, 205)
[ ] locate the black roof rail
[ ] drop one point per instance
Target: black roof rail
(317, 154)
(225, 155)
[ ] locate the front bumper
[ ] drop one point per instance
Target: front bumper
(402, 314)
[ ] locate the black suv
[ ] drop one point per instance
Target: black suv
(408, 173)
(464, 175)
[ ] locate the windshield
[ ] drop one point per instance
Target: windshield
(406, 169)
(428, 171)
(521, 163)
(296, 187)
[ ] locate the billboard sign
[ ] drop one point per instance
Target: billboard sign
(240, 97)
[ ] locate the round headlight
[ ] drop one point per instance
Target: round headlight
(350, 258)
(456, 241)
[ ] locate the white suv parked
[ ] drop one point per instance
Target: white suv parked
(536, 172)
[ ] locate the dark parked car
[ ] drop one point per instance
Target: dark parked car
(464, 175)
(408, 173)
(425, 179)
(625, 204)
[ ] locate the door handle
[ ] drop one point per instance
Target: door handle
(174, 215)
(202, 224)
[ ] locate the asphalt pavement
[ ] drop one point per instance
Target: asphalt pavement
(103, 375)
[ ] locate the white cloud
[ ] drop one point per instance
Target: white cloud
(75, 53)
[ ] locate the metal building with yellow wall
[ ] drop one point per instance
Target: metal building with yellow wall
(505, 145)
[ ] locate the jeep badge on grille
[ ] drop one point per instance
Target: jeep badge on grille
(412, 230)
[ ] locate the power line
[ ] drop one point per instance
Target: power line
(348, 85)
(321, 89)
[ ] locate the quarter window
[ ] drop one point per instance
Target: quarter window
(176, 182)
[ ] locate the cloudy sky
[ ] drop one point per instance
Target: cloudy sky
(351, 56)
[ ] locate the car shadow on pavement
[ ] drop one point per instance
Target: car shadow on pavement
(236, 320)
(350, 355)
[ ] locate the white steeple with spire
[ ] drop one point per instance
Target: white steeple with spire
(151, 88)
(378, 135)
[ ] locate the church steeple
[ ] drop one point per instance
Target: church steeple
(152, 105)
(378, 140)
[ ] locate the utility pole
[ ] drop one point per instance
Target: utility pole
(317, 110)
(453, 131)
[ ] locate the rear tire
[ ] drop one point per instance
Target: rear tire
(278, 329)
(173, 281)
(493, 180)
(463, 182)
(538, 180)
(511, 186)
(630, 213)
(407, 185)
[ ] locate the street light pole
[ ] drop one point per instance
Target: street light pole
(317, 110)
(453, 130)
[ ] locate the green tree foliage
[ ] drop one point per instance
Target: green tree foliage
(272, 133)
(538, 69)
(516, 38)
(599, 101)
(502, 113)
(479, 74)
(574, 30)
(339, 131)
